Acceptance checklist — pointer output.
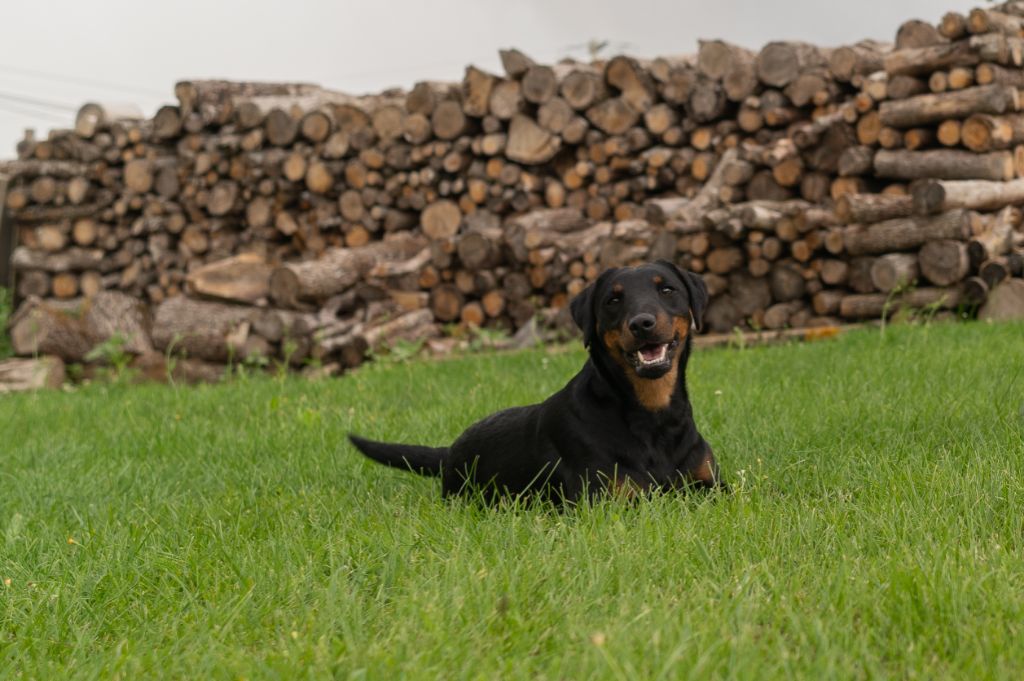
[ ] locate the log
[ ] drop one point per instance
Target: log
(35, 373)
(827, 302)
(514, 62)
(779, 63)
(946, 164)
(480, 248)
(280, 127)
(859, 59)
(613, 116)
(902, 87)
(70, 260)
(707, 101)
(716, 58)
(916, 61)
(441, 219)
(64, 285)
(529, 143)
(874, 305)
(539, 84)
(986, 74)
(722, 315)
(917, 33)
(937, 196)
(868, 208)
(33, 283)
(944, 262)
(582, 88)
(953, 25)
(446, 302)
(894, 271)
(741, 81)
(632, 81)
(448, 120)
(834, 272)
(932, 108)
(167, 122)
(111, 314)
(984, 132)
(1005, 302)
(337, 270)
(93, 117)
(975, 290)
(996, 240)
(778, 315)
(205, 330)
(901, 234)
(243, 278)
(787, 283)
(477, 86)
(46, 328)
(981, 21)
(856, 160)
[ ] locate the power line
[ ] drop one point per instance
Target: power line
(45, 103)
(82, 81)
(49, 116)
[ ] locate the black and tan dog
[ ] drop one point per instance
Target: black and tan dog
(622, 424)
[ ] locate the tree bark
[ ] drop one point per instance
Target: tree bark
(337, 270)
(944, 261)
(901, 234)
(932, 108)
(937, 196)
(945, 164)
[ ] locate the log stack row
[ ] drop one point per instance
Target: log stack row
(807, 185)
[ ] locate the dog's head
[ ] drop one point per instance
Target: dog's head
(641, 316)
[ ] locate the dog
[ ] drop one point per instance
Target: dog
(622, 425)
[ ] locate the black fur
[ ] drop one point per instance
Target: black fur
(610, 427)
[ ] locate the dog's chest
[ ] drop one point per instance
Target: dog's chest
(651, 461)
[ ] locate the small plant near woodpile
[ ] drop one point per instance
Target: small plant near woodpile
(171, 359)
(481, 338)
(398, 352)
(6, 308)
(112, 355)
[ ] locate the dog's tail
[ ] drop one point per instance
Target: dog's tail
(418, 459)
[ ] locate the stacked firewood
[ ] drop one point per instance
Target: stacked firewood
(807, 185)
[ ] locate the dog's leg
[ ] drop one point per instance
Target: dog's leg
(706, 473)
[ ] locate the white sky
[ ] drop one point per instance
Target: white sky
(57, 54)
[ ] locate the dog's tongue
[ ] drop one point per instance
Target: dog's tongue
(651, 353)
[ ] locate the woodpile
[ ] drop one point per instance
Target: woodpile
(277, 220)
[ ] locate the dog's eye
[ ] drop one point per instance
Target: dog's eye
(614, 300)
(665, 290)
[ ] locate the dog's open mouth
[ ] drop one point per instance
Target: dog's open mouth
(653, 356)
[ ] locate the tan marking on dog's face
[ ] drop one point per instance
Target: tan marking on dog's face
(658, 280)
(653, 394)
(681, 325)
(613, 343)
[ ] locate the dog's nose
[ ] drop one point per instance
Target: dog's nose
(642, 324)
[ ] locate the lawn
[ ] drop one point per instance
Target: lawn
(876, 529)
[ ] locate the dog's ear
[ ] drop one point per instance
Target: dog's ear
(582, 308)
(695, 288)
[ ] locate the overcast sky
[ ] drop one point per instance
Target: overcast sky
(57, 54)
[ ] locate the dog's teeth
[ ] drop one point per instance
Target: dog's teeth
(660, 351)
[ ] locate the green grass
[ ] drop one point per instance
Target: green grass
(876, 530)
